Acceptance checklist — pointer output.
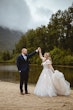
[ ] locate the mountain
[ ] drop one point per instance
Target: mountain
(8, 38)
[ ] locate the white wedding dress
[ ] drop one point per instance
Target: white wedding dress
(51, 83)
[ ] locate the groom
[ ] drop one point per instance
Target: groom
(23, 68)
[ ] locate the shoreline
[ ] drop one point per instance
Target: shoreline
(11, 99)
(12, 63)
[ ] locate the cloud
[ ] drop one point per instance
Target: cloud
(14, 14)
(43, 15)
(40, 13)
(53, 5)
(27, 14)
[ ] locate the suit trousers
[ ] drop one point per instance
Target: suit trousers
(23, 81)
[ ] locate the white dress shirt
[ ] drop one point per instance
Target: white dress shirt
(24, 56)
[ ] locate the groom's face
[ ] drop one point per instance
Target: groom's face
(24, 51)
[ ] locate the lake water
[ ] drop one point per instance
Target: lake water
(10, 73)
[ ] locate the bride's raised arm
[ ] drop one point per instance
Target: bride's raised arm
(40, 54)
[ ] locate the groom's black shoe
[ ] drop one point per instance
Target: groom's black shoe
(22, 93)
(27, 93)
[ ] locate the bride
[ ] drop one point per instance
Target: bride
(51, 82)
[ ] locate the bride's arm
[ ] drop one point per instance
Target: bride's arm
(40, 54)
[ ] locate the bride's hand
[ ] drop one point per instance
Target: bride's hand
(39, 49)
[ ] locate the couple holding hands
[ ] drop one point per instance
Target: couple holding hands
(50, 83)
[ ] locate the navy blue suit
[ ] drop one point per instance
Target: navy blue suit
(23, 68)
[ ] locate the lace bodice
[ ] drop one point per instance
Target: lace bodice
(46, 63)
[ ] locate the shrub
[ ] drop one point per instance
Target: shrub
(68, 60)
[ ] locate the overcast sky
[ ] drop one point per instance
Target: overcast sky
(27, 14)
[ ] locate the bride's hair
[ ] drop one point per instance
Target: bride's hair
(48, 56)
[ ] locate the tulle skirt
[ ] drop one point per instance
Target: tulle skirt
(51, 84)
(44, 86)
(61, 85)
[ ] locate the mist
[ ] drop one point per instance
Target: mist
(14, 14)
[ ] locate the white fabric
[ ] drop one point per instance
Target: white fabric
(36, 50)
(24, 56)
(51, 83)
(61, 85)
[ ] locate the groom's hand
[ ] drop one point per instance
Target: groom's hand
(37, 50)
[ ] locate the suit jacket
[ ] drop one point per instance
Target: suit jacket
(22, 64)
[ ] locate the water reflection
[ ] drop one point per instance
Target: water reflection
(8, 68)
(10, 73)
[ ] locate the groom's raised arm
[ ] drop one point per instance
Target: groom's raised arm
(33, 53)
